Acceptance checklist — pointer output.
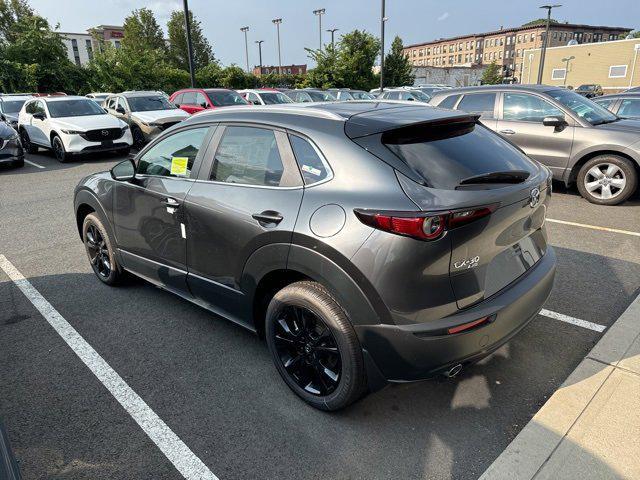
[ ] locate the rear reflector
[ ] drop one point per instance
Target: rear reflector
(422, 225)
(469, 325)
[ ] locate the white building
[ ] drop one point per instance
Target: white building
(81, 46)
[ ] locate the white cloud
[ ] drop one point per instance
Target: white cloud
(444, 16)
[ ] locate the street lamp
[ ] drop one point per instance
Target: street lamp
(319, 13)
(566, 60)
(259, 42)
(546, 40)
(277, 22)
(332, 31)
(187, 27)
(246, 45)
(382, 20)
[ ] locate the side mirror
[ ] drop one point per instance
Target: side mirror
(39, 116)
(555, 121)
(203, 104)
(411, 99)
(120, 109)
(256, 102)
(124, 171)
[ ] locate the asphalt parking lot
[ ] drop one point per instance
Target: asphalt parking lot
(214, 384)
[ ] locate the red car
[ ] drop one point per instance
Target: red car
(194, 100)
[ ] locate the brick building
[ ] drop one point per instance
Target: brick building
(505, 46)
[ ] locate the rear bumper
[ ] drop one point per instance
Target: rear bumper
(414, 352)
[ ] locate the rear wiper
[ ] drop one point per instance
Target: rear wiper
(511, 176)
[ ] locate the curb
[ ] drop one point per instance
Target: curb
(525, 456)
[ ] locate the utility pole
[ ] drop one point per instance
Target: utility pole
(259, 42)
(187, 26)
(246, 44)
(332, 31)
(382, 20)
(277, 22)
(545, 41)
(319, 13)
(566, 68)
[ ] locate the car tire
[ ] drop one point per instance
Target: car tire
(124, 152)
(138, 138)
(100, 250)
(26, 143)
(607, 179)
(61, 154)
(314, 346)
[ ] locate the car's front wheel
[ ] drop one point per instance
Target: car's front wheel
(314, 346)
(59, 151)
(26, 143)
(138, 138)
(607, 179)
(100, 250)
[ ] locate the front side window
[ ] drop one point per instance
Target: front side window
(200, 100)
(189, 98)
(150, 103)
(523, 107)
(311, 165)
(174, 155)
(630, 108)
(482, 103)
(74, 108)
(583, 107)
(248, 156)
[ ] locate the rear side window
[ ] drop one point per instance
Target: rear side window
(629, 108)
(248, 156)
(444, 155)
(449, 102)
(482, 103)
(311, 165)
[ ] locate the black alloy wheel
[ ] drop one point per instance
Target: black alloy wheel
(58, 149)
(138, 138)
(307, 350)
(26, 143)
(98, 252)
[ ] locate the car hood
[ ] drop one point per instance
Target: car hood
(89, 122)
(161, 116)
(625, 125)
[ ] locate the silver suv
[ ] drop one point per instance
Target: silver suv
(581, 142)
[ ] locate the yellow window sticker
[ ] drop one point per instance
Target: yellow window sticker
(179, 166)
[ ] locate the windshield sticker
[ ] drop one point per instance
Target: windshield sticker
(313, 171)
(179, 166)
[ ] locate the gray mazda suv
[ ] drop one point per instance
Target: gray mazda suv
(367, 242)
(581, 142)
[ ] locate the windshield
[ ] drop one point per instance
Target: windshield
(317, 96)
(583, 107)
(222, 98)
(150, 103)
(271, 98)
(74, 108)
(11, 106)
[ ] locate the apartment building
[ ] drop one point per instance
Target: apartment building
(81, 46)
(506, 45)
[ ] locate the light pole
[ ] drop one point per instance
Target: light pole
(319, 12)
(259, 42)
(246, 45)
(332, 31)
(187, 26)
(545, 41)
(566, 60)
(382, 20)
(277, 22)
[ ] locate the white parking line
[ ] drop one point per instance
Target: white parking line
(575, 321)
(187, 463)
(33, 163)
(594, 227)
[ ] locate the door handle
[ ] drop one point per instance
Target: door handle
(267, 217)
(508, 131)
(171, 202)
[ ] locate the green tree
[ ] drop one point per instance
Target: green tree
(209, 75)
(324, 75)
(178, 56)
(142, 33)
(397, 68)
(491, 75)
(356, 55)
(11, 12)
(234, 77)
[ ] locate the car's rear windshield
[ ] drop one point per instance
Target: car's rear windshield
(150, 103)
(11, 106)
(74, 108)
(446, 154)
(221, 98)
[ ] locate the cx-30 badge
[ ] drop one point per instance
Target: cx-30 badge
(534, 197)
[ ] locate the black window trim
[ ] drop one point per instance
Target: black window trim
(289, 162)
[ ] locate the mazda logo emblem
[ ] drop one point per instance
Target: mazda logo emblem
(105, 133)
(534, 197)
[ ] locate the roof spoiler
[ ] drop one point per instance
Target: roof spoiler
(430, 130)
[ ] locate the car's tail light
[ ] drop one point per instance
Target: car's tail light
(469, 325)
(422, 225)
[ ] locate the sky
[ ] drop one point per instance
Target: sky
(413, 20)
